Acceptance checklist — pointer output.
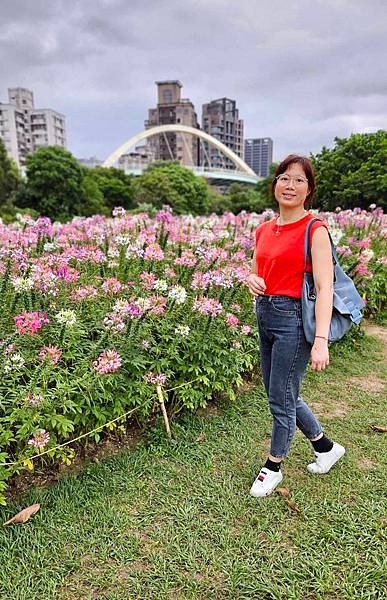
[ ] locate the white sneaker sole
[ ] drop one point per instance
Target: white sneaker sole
(316, 469)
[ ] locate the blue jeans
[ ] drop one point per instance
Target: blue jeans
(285, 355)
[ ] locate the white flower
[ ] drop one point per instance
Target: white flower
(160, 285)
(22, 284)
(367, 254)
(236, 346)
(336, 235)
(177, 293)
(119, 306)
(144, 303)
(183, 330)
(118, 211)
(14, 362)
(134, 250)
(121, 240)
(24, 219)
(50, 247)
(113, 253)
(66, 317)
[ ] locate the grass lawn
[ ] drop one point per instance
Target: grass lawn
(176, 521)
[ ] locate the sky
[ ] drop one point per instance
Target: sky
(301, 71)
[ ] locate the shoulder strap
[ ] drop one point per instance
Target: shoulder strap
(307, 251)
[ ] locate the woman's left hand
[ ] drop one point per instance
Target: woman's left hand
(319, 355)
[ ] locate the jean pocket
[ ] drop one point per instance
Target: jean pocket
(284, 307)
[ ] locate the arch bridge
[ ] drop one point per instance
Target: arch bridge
(242, 173)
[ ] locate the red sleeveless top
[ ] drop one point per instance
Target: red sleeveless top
(280, 255)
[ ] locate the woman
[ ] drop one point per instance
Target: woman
(276, 280)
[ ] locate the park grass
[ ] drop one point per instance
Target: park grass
(175, 520)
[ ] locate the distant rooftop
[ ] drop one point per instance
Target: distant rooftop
(169, 82)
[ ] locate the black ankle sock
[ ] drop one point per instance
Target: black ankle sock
(324, 444)
(272, 466)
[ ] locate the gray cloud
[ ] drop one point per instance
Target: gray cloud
(301, 72)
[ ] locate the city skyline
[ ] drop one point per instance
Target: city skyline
(24, 128)
(300, 74)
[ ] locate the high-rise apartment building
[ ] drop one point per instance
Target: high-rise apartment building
(259, 155)
(220, 118)
(172, 109)
(24, 129)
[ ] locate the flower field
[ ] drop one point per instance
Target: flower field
(97, 312)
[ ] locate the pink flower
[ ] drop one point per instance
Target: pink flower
(232, 320)
(187, 259)
(362, 269)
(365, 243)
(87, 291)
(34, 399)
(114, 321)
(245, 329)
(66, 273)
(133, 310)
(118, 211)
(51, 353)
(30, 322)
(236, 307)
(207, 306)
(164, 216)
(200, 280)
(148, 280)
(159, 304)
(156, 379)
(153, 252)
(42, 226)
(40, 439)
(169, 272)
(344, 250)
(111, 286)
(239, 256)
(108, 361)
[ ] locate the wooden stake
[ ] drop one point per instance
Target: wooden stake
(163, 410)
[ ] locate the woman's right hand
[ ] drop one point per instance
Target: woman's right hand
(256, 285)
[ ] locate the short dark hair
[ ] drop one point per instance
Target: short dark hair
(307, 165)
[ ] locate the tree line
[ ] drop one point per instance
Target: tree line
(352, 173)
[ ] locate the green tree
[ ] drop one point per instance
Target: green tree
(353, 173)
(91, 199)
(117, 187)
(263, 187)
(170, 183)
(244, 197)
(54, 183)
(10, 181)
(218, 203)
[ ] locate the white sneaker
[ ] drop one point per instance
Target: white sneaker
(326, 460)
(265, 483)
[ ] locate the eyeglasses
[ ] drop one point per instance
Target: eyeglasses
(285, 180)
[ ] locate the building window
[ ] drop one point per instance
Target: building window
(167, 95)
